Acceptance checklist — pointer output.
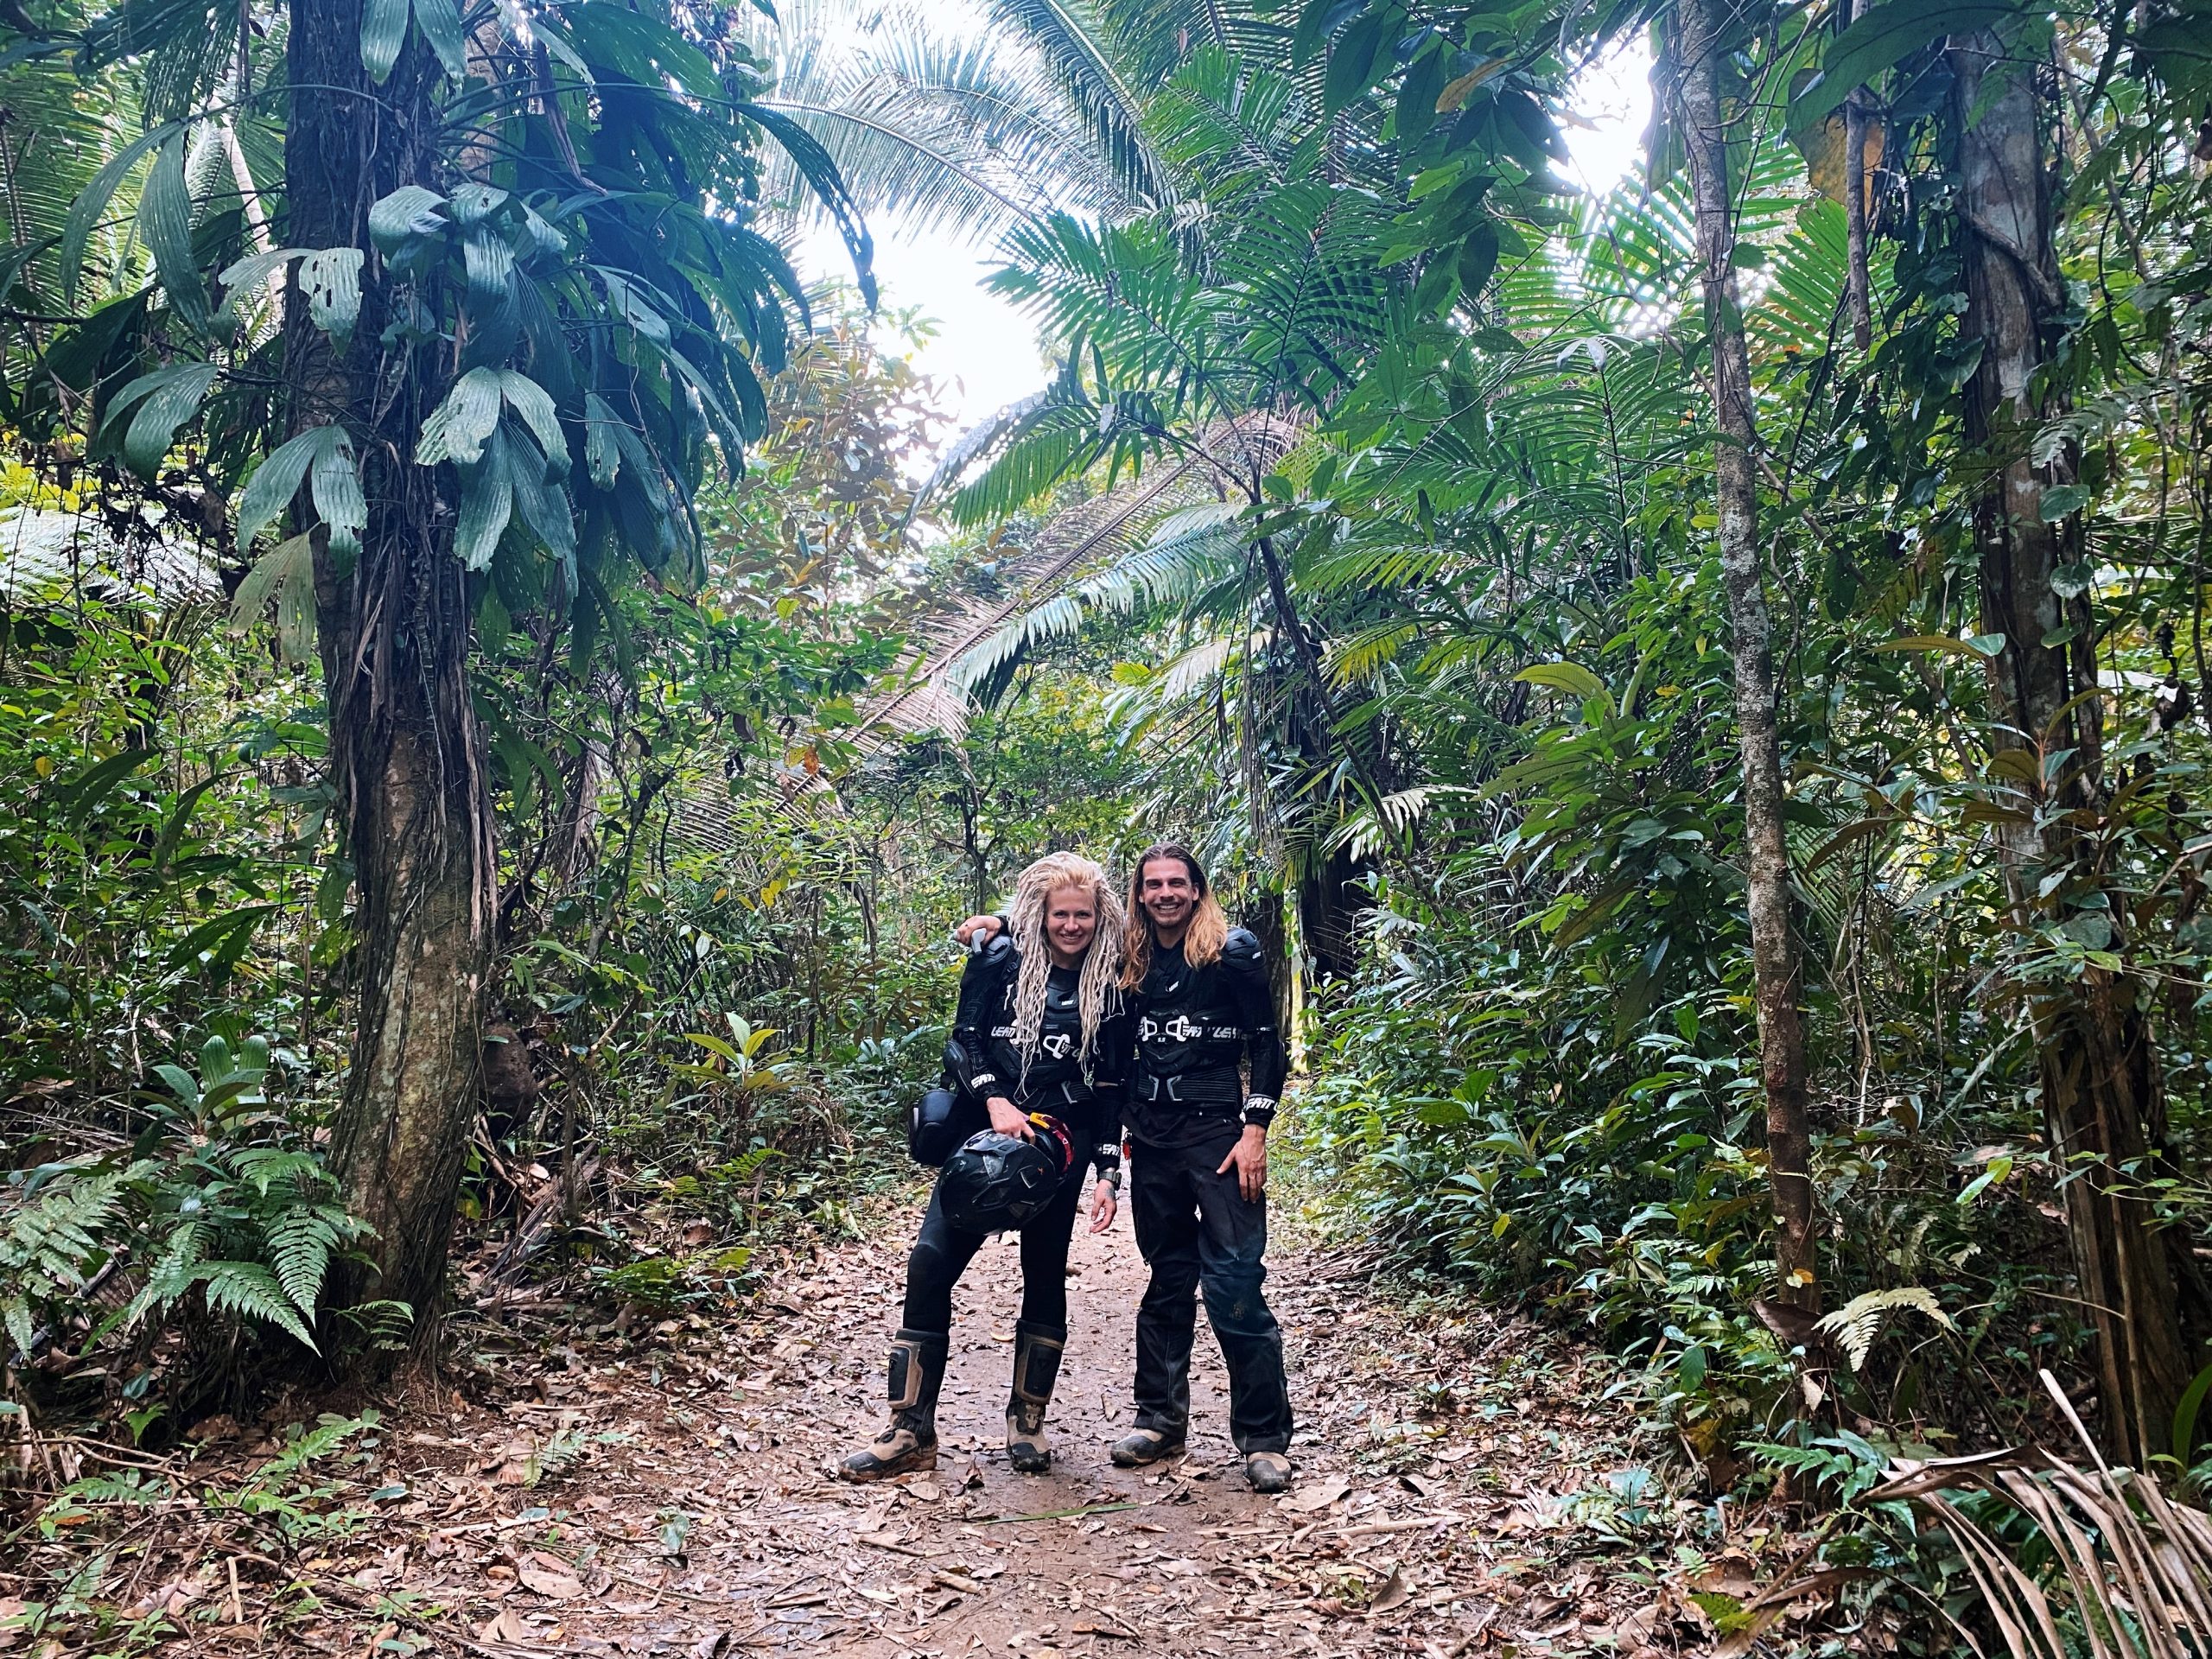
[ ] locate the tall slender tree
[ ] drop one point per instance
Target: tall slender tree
(1700, 40)
(408, 761)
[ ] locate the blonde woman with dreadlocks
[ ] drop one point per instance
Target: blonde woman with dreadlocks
(1039, 1041)
(1201, 1013)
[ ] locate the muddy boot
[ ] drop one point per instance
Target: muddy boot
(1142, 1446)
(909, 1439)
(1268, 1471)
(1036, 1368)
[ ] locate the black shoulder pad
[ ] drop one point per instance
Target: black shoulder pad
(1240, 949)
(1000, 951)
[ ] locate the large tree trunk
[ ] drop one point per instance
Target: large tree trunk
(1775, 966)
(2101, 1094)
(1332, 897)
(407, 753)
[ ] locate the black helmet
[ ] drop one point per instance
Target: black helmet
(996, 1182)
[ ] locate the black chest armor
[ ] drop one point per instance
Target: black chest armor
(1187, 1018)
(1057, 1066)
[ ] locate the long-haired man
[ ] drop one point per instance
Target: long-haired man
(1201, 1011)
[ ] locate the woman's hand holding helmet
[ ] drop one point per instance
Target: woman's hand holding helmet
(988, 927)
(1007, 1119)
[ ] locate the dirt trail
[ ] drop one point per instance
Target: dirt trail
(669, 1496)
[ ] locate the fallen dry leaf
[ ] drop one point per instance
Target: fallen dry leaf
(505, 1625)
(549, 1577)
(1316, 1495)
(1394, 1593)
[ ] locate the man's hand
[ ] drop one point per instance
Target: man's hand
(987, 925)
(1249, 1158)
(1008, 1120)
(1104, 1203)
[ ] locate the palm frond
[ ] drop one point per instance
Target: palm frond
(1080, 53)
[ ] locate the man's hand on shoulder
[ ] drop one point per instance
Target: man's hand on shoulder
(985, 925)
(1241, 949)
(1249, 1158)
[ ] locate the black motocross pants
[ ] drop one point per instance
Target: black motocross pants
(1194, 1228)
(942, 1252)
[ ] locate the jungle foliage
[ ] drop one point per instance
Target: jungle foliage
(1704, 683)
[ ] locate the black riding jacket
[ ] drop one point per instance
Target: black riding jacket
(1192, 1029)
(985, 1062)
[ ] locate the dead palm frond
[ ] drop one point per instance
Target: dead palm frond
(2112, 1567)
(1067, 569)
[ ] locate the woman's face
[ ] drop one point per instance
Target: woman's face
(1070, 922)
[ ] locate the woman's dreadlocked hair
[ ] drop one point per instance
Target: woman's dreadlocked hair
(1096, 994)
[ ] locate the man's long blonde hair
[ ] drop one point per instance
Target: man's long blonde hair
(1209, 929)
(1096, 995)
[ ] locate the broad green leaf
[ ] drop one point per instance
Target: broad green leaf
(181, 1083)
(532, 402)
(82, 795)
(240, 280)
(173, 394)
(285, 573)
(490, 265)
(165, 223)
(645, 469)
(384, 31)
(331, 278)
(820, 171)
(166, 407)
(603, 450)
(1570, 677)
(459, 426)
(474, 204)
(91, 202)
(1354, 59)
(632, 307)
(487, 504)
(1317, 21)
(336, 490)
(544, 507)
(277, 480)
(2063, 501)
(2185, 1414)
(1478, 259)
(1884, 36)
(172, 829)
(440, 22)
(221, 938)
(409, 213)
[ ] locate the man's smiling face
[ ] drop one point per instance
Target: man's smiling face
(1166, 891)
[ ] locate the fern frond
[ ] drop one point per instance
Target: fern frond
(251, 1290)
(300, 1242)
(1859, 1321)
